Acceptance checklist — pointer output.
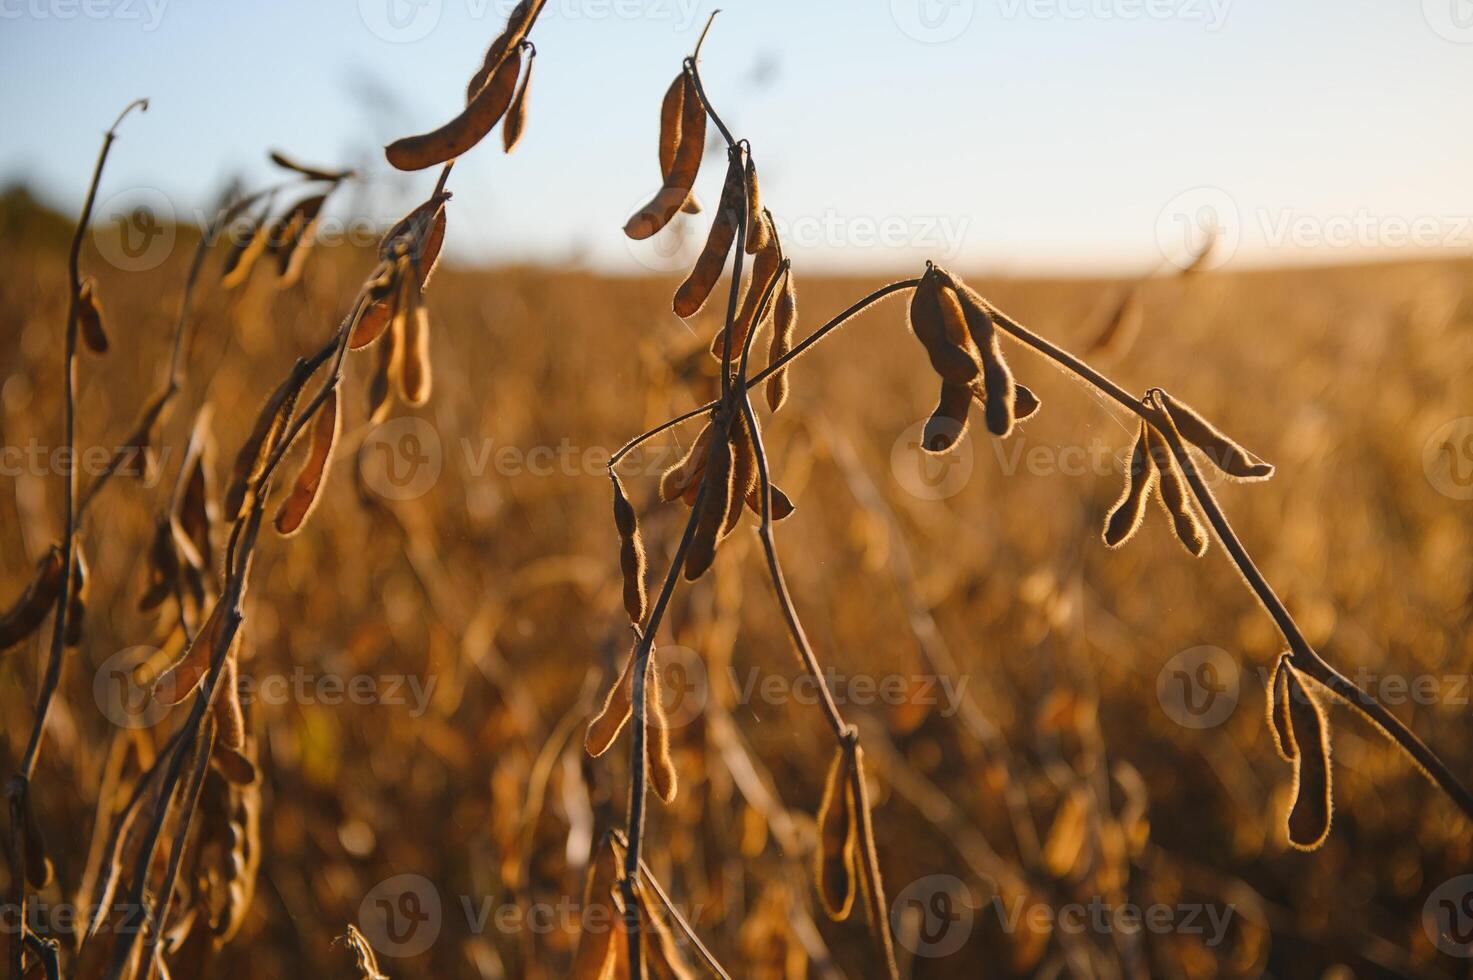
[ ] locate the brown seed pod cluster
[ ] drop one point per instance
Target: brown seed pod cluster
(497, 90)
(289, 238)
(395, 308)
(1301, 735)
(755, 309)
(682, 144)
(228, 854)
(1153, 466)
(724, 459)
(955, 326)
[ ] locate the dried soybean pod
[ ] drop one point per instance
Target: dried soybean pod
(692, 294)
(671, 107)
(765, 268)
(838, 830)
(631, 553)
(596, 935)
(782, 506)
(311, 173)
(1130, 510)
(306, 489)
(683, 168)
(229, 716)
(516, 116)
(1171, 489)
(457, 136)
(949, 360)
(665, 959)
(618, 706)
(180, 678)
(1221, 452)
(89, 317)
(1279, 724)
(1309, 818)
(163, 566)
(38, 863)
(248, 460)
(414, 374)
(997, 378)
(744, 473)
(948, 423)
(77, 604)
(29, 610)
(293, 236)
(1025, 402)
(679, 478)
(718, 483)
(784, 325)
(657, 737)
(758, 232)
(246, 249)
(384, 370)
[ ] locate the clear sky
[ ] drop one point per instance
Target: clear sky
(1016, 135)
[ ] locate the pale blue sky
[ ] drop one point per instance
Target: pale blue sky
(1014, 135)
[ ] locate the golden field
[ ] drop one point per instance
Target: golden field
(425, 653)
